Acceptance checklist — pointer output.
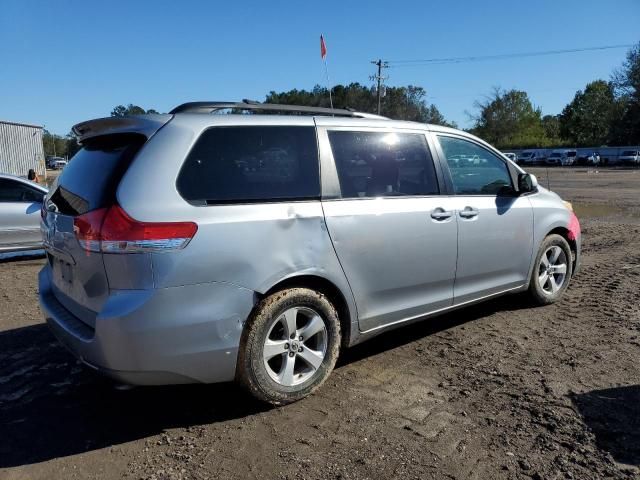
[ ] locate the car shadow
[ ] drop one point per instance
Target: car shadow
(613, 415)
(7, 257)
(51, 406)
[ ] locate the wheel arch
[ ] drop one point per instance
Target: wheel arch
(564, 233)
(346, 311)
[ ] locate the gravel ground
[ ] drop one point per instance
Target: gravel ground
(497, 390)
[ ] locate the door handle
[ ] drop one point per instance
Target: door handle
(469, 212)
(441, 214)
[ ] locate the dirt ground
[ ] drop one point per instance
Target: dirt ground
(498, 390)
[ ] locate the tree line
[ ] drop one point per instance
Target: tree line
(604, 113)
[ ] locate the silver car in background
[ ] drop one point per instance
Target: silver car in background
(20, 205)
(208, 248)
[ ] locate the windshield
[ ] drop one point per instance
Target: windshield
(555, 155)
(629, 153)
(571, 154)
(526, 154)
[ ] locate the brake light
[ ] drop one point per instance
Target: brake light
(112, 230)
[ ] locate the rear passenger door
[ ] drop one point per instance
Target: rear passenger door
(393, 232)
(495, 225)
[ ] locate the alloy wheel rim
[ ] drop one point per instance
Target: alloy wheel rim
(552, 271)
(295, 346)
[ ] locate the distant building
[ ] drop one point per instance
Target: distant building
(21, 149)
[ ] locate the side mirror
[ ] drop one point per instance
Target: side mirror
(527, 183)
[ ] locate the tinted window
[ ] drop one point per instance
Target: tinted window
(13, 191)
(374, 164)
(236, 164)
(474, 170)
(91, 178)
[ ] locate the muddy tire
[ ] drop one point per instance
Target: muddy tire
(289, 346)
(551, 272)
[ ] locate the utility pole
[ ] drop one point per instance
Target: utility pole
(379, 78)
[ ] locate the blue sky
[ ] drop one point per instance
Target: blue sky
(67, 61)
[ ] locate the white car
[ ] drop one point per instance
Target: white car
(511, 156)
(20, 204)
(562, 157)
(532, 157)
(59, 164)
(630, 157)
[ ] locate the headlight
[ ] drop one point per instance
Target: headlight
(568, 205)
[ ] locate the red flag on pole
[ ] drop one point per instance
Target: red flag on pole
(323, 48)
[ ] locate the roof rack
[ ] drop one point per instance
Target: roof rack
(248, 105)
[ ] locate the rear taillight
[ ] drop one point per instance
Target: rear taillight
(111, 230)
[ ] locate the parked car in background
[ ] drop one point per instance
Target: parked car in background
(178, 264)
(59, 164)
(51, 161)
(629, 157)
(587, 157)
(532, 157)
(511, 156)
(20, 205)
(562, 157)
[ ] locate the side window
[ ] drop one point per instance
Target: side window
(475, 170)
(372, 164)
(12, 191)
(248, 164)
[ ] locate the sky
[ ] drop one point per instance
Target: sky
(65, 61)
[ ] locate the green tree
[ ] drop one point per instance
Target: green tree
(121, 110)
(400, 103)
(625, 127)
(551, 125)
(72, 144)
(508, 119)
(587, 119)
(53, 144)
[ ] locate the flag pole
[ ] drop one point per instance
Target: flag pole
(323, 54)
(326, 71)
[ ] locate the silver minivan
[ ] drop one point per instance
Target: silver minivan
(200, 247)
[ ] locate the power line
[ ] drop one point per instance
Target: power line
(443, 61)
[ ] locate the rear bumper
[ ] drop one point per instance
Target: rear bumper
(185, 334)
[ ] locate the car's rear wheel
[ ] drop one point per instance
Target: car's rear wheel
(552, 271)
(289, 346)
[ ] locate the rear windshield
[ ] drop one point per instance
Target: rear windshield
(250, 164)
(90, 179)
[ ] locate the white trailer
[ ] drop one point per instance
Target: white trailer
(21, 149)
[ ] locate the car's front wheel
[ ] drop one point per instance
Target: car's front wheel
(552, 271)
(289, 346)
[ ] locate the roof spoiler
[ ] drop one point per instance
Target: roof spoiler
(144, 124)
(251, 105)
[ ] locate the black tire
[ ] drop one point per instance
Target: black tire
(251, 371)
(546, 296)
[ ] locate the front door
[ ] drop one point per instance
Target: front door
(19, 214)
(495, 226)
(393, 232)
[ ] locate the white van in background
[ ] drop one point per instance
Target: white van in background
(532, 157)
(562, 157)
(631, 157)
(511, 156)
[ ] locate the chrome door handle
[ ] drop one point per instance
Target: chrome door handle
(441, 214)
(469, 212)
